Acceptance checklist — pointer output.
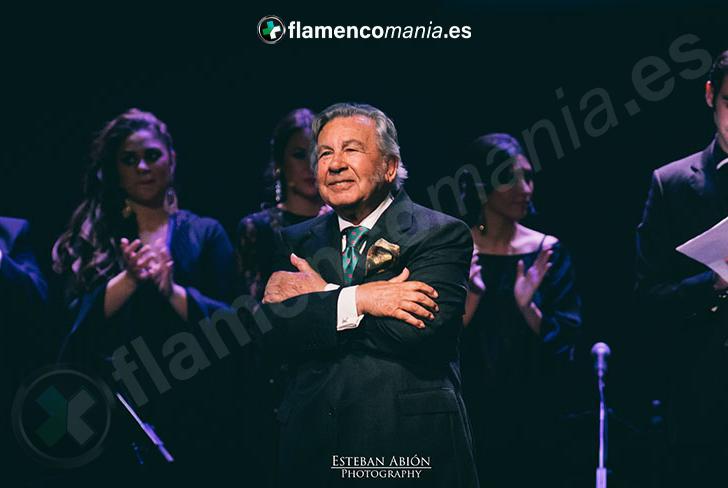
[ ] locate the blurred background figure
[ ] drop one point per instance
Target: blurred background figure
(23, 296)
(521, 318)
(295, 199)
(137, 267)
(293, 193)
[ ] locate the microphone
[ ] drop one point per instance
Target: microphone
(601, 352)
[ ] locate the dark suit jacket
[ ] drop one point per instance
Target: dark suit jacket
(385, 388)
(23, 294)
(676, 293)
(21, 281)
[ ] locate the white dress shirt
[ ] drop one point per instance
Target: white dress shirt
(346, 313)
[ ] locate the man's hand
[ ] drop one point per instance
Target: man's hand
(283, 285)
(398, 298)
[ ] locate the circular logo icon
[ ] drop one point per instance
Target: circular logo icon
(61, 417)
(271, 29)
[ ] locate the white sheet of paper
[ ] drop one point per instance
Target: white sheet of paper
(710, 248)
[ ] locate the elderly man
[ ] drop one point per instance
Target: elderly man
(374, 295)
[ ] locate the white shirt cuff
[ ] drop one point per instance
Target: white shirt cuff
(346, 317)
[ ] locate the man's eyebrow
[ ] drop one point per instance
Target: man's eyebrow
(354, 142)
(323, 146)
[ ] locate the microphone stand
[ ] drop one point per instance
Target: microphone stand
(601, 469)
(601, 351)
(148, 431)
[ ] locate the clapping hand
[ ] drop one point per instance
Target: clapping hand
(528, 281)
(145, 262)
(162, 270)
(477, 285)
(138, 259)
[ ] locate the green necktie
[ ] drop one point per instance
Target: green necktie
(351, 254)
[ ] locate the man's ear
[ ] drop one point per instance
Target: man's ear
(709, 94)
(392, 163)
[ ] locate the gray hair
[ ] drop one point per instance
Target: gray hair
(386, 133)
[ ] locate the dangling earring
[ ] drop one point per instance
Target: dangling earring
(170, 201)
(278, 187)
(127, 210)
(482, 227)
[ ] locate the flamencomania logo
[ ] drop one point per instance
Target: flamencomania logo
(271, 29)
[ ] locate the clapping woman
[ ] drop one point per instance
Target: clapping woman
(521, 319)
(140, 275)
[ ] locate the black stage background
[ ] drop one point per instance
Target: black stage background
(221, 90)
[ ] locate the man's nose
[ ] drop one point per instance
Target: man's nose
(142, 166)
(338, 163)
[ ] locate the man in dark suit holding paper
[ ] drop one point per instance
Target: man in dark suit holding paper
(686, 300)
(380, 287)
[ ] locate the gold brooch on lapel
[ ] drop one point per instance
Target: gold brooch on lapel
(381, 255)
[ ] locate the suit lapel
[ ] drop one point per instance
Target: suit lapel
(704, 181)
(323, 249)
(392, 225)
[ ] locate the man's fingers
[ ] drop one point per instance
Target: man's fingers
(406, 317)
(300, 264)
(421, 298)
(417, 310)
(402, 277)
(424, 288)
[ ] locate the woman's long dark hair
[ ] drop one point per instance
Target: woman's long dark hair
(295, 120)
(88, 251)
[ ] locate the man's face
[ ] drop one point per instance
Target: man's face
(718, 101)
(352, 171)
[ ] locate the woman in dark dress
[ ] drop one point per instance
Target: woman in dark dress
(296, 199)
(141, 274)
(522, 315)
(295, 194)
